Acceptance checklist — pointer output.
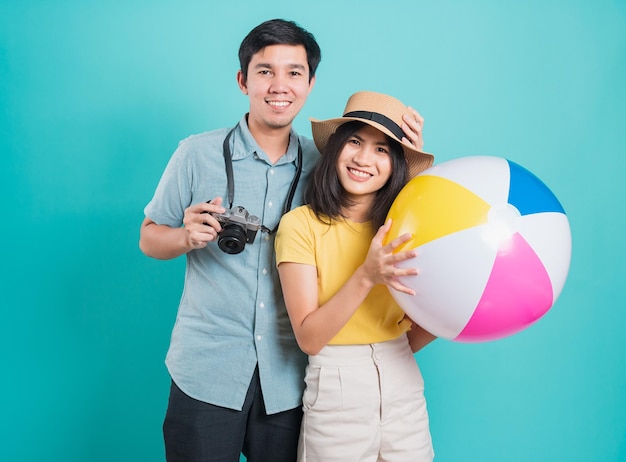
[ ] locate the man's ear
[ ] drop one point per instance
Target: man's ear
(241, 81)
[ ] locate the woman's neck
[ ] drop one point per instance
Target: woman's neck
(359, 211)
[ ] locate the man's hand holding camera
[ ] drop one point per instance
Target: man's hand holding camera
(200, 224)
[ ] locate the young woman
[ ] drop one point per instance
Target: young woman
(364, 396)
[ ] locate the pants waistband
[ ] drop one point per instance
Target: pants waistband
(354, 355)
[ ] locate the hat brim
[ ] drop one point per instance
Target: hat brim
(322, 130)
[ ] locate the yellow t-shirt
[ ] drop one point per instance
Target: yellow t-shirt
(336, 251)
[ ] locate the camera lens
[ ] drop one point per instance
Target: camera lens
(232, 239)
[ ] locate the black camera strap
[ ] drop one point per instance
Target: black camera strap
(231, 182)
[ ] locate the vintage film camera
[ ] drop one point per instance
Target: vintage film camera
(238, 228)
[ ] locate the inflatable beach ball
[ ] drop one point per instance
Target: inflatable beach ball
(493, 248)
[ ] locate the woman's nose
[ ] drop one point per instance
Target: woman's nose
(363, 156)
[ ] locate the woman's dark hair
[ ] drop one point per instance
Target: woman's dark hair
(324, 193)
(278, 32)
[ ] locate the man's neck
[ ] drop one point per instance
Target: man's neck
(273, 141)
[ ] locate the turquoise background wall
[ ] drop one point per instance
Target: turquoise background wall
(94, 97)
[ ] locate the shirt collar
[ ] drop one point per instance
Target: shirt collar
(245, 145)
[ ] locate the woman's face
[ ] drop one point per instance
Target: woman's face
(364, 164)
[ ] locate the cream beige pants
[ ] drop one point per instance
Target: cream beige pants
(365, 403)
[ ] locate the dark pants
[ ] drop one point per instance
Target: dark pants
(195, 431)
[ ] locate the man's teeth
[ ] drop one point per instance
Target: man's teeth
(278, 103)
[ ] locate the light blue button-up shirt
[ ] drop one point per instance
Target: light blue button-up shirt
(231, 315)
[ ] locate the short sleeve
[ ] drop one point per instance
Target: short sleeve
(173, 193)
(295, 239)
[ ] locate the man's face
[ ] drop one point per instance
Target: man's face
(277, 85)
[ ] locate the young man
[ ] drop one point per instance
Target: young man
(237, 372)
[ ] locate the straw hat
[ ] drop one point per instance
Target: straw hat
(382, 112)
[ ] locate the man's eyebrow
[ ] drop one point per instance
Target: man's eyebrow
(290, 66)
(298, 66)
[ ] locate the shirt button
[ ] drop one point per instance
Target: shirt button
(261, 305)
(271, 171)
(270, 204)
(264, 271)
(267, 238)
(259, 337)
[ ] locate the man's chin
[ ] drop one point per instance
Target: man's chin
(279, 124)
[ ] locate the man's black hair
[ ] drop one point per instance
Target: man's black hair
(279, 32)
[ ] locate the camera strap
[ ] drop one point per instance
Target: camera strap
(231, 182)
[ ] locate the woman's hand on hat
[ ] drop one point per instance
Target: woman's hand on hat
(413, 126)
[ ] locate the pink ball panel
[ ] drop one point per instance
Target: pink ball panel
(518, 292)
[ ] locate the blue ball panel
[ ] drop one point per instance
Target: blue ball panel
(529, 194)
